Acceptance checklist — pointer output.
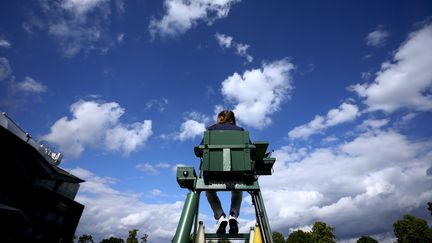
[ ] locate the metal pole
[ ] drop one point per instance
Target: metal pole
(186, 220)
(196, 217)
(266, 226)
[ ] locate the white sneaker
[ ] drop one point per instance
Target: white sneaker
(233, 225)
(221, 225)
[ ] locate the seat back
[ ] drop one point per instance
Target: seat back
(226, 157)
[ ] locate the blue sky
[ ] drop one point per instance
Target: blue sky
(125, 88)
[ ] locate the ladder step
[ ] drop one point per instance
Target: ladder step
(211, 236)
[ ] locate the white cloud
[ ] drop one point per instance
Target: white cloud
(110, 212)
(159, 104)
(120, 37)
(241, 50)
(75, 25)
(80, 7)
(182, 15)
(128, 138)
(377, 37)
(407, 81)
(359, 187)
(156, 193)
(31, 85)
(152, 169)
(226, 41)
(407, 118)
(344, 113)
(163, 165)
(373, 124)
(147, 167)
(5, 68)
(5, 43)
(190, 129)
(330, 139)
(193, 126)
(258, 93)
(95, 124)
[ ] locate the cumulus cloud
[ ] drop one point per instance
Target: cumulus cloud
(194, 125)
(182, 15)
(75, 25)
(95, 124)
(377, 37)
(110, 212)
(228, 42)
(344, 113)
(258, 93)
(406, 82)
(360, 186)
(30, 85)
(127, 138)
(224, 40)
(5, 68)
(5, 43)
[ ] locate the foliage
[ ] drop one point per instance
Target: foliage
(132, 238)
(299, 236)
(430, 207)
(144, 238)
(112, 240)
(322, 233)
(366, 239)
(278, 237)
(85, 239)
(412, 229)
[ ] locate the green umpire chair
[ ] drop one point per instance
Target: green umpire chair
(229, 162)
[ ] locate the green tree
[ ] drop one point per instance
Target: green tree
(299, 236)
(85, 239)
(132, 238)
(366, 239)
(322, 233)
(411, 229)
(144, 238)
(112, 240)
(278, 237)
(430, 207)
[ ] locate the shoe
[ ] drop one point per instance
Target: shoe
(221, 225)
(233, 225)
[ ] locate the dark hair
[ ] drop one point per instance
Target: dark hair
(226, 116)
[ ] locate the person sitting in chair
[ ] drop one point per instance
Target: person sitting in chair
(225, 121)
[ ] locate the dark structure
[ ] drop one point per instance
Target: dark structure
(36, 196)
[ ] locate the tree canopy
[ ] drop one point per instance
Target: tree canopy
(411, 229)
(366, 239)
(132, 238)
(85, 239)
(112, 240)
(299, 236)
(278, 237)
(322, 233)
